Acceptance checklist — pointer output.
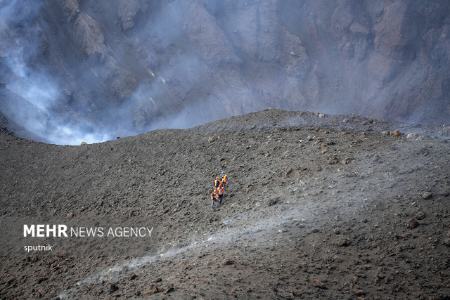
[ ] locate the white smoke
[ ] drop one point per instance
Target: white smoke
(33, 92)
(90, 71)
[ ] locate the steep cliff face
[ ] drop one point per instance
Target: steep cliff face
(90, 70)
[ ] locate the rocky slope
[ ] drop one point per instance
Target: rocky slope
(114, 68)
(319, 207)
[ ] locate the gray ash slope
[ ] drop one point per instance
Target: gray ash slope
(319, 207)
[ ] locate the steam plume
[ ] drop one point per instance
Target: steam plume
(73, 71)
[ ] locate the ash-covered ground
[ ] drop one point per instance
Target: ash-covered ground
(319, 207)
(91, 70)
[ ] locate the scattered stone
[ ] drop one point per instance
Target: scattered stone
(113, 287)
(228, 262)
(380, 274)
(343, 242)
(420, 215)
(412, 136)
(153, 290)
(133, 276)
(273, 201)
(316, 282)
(40, 293)
(170, 289)
(426, 195)
(346, 161)
(41, 279)
(290, 172)
(321, 115)
(412, 223)
(359, 293)
(395, 133)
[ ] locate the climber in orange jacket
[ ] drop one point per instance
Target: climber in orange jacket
(221, 193)
(224, 180)
(215, 198)
(218, 190)
(217, 182)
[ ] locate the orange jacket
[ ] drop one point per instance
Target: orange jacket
(225, 179)
(221, 190)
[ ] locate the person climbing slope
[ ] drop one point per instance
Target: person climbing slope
(217, 182)
(221, 192)
(224, 180)
(218, 191)
(215, 198)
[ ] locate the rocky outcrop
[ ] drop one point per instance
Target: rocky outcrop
(88, 35)
(127, 11)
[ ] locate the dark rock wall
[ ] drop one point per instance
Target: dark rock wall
(122, 67)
